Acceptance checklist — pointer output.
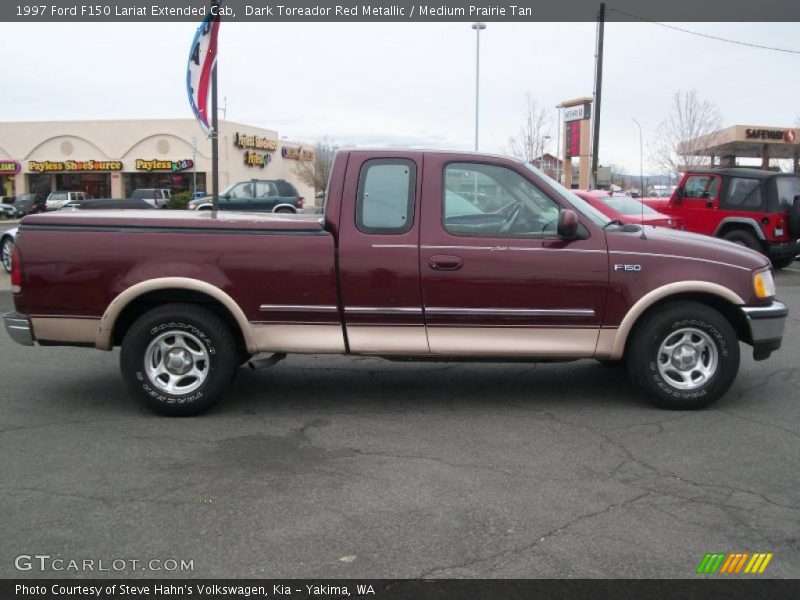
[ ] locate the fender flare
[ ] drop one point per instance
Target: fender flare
(661, 293)
(118, 304)
(284, 205)
(740, 221)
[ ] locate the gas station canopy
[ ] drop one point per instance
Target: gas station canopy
(746, 141)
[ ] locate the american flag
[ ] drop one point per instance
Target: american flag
(202, 57)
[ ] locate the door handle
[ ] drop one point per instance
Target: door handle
(445, 262)
(709, 204)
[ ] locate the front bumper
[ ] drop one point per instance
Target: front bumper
(19, 328)
(766, 324)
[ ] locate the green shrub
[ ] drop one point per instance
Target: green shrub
(180, 200)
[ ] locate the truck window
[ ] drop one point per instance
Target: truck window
(242, 190)
(701, 186)
(488, 200)
(743, 194)
(788, 188)
(385, 202)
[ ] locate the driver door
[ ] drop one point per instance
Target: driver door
(496, 278)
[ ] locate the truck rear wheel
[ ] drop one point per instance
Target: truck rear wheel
(743, 238)
(179, 359)
(684, 356)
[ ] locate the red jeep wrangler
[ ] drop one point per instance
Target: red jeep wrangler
(750, 207)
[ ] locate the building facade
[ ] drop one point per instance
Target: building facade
(110, 159)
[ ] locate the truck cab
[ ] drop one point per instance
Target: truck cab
(751, 207)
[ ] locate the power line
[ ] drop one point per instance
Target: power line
(706, 35)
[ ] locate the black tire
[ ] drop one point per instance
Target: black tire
(782, 263)
(285, 211)
(744, 238)
(667, 324)
(201, 332)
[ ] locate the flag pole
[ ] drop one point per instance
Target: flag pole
(214, 141)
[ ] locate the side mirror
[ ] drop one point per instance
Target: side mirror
(678, 195)
(796, 199)
(567, 228)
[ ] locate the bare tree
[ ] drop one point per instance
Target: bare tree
(535, 131)
(690, 127)
(315, 173)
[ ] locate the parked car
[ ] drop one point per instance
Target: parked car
(58, 199)
(157, 197)
(403, 266)
(750, 207)
(6, 247)
(8, 209)
(29, 204)
(100, 203)
(255, 195)
(625, 209)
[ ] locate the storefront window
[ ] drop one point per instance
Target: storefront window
(96, 185)
(39, 183)
(175, 182)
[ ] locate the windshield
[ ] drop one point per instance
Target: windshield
(626, 206)
(579, 204)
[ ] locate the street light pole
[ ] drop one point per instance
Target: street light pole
(478, 26)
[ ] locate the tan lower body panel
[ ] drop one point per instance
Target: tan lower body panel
(323, 339)
(605, 344)
(513, 341)
(375, 339)
(65, 329)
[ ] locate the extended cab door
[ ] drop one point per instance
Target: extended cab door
(379, 253)
(699, 203)
(497, 280)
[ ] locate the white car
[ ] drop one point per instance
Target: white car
(58, 199)
(6, 246)
(157, 197)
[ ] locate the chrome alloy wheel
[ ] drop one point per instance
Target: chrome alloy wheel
(8, 248)
(688, 358)
(177, 362)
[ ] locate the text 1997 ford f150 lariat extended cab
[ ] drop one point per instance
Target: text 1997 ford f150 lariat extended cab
(419, 254)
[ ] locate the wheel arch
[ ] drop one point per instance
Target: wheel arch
(139, 298)
(722, 299)
(729, 224)
(284, 205)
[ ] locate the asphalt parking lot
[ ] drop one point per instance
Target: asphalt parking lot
(336, 467)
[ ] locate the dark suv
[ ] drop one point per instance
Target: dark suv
(256, 195)
(30, 203)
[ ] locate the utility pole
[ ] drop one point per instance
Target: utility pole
(598, 91)
(558, 145)
(194, 167)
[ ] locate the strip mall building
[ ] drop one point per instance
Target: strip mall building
(110, 159)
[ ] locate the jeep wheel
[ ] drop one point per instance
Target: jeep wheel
(284, 211)
(782, 263)
(179, 359)
(743, 238)
(684, 356)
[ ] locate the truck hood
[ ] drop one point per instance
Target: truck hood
(671, 242)
(175, 219)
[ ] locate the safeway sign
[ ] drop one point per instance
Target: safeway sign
(577, 113)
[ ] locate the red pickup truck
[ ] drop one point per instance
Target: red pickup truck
(750, 207)
(420, 254)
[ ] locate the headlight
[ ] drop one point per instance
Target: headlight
(763, 285)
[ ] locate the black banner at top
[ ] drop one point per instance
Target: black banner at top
(400, 10)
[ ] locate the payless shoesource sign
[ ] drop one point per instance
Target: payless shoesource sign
(74, 166)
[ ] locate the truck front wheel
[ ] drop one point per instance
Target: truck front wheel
(179, 359)
(684, 356)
